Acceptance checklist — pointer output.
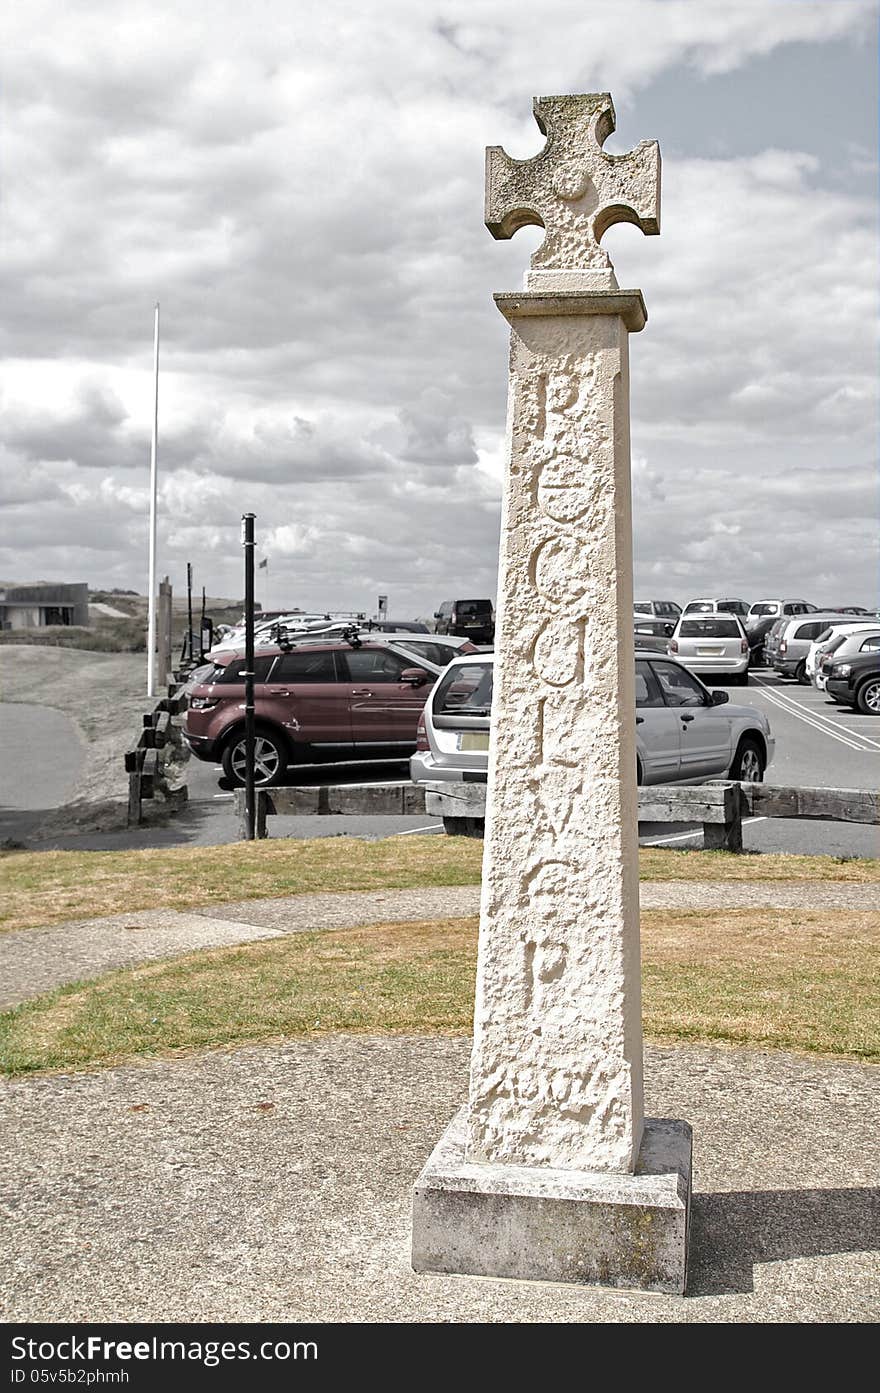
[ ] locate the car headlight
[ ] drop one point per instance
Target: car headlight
(203, 704)
(842, 670)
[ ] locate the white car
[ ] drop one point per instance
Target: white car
(684, 732)
(826, 642)
(436, 650)
(862, 639)
(713, 644)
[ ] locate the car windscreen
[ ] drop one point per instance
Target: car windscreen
(764, 609)
(642, 609)
(661, 627)
(465, 690)
(708, 628)
(699, 607)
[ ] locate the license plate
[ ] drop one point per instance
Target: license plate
(473, 740)
(710, 652)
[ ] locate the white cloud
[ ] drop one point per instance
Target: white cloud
(301, 187)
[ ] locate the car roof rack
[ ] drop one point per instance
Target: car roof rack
(287, 638)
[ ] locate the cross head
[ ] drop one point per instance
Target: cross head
(573, 188)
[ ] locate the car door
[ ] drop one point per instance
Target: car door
(704, 729)
(383, 710)
(308, 696)
(658, 737)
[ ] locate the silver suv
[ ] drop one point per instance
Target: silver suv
(762, 616)
(788, 643)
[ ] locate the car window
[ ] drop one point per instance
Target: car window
(375, 665)
(804, 631)
(305, 666)
(432, 650)
(465, 690)
(835, 643)
(678, 687)
(708, 628)
(641, 609)
(767, 608)
(870, 645)
(699, 607)
(262, 668)
(648, 691)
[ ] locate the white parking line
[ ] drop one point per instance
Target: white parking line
(411, 831)
(854, 740)
(686, 836)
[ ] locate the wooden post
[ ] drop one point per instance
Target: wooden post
(164, 653)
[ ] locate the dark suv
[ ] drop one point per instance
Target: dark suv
(855, 681)
(473, 619)
(313, 701)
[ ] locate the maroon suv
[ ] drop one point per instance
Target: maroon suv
(312, 702)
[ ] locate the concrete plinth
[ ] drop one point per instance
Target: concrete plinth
(543, 1224)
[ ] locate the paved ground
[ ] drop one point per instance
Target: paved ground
(42, 756)
(33, 961)
(273, 1183)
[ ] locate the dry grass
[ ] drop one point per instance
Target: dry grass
(759, 978)
(47, 887)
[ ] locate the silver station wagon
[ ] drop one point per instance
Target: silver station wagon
(684, 732)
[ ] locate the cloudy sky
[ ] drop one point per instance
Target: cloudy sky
(300, 185)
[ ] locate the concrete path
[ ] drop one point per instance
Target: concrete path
(273, 1183)
(33, 961)
(41, 757)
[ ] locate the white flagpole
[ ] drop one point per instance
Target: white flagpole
(151, 611)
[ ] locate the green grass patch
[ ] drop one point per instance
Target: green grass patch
(48, 887)
(769, 979)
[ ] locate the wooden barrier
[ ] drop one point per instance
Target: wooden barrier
(720, 806)
(145, 764)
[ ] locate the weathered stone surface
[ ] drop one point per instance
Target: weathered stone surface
(557, 1067)
(546, 1224)
(573, 189)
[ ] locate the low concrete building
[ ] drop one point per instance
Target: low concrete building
(36, 606)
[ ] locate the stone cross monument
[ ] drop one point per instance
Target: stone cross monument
(552, 1171)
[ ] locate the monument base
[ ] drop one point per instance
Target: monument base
(608, 1229)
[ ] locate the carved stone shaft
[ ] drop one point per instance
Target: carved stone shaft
(556, 1073)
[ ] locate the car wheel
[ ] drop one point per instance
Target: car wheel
(640, 775)
(749, 762)
(270, 759)
(800, 674)
(868, 697)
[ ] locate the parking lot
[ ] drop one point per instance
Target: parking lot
(818, 745)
